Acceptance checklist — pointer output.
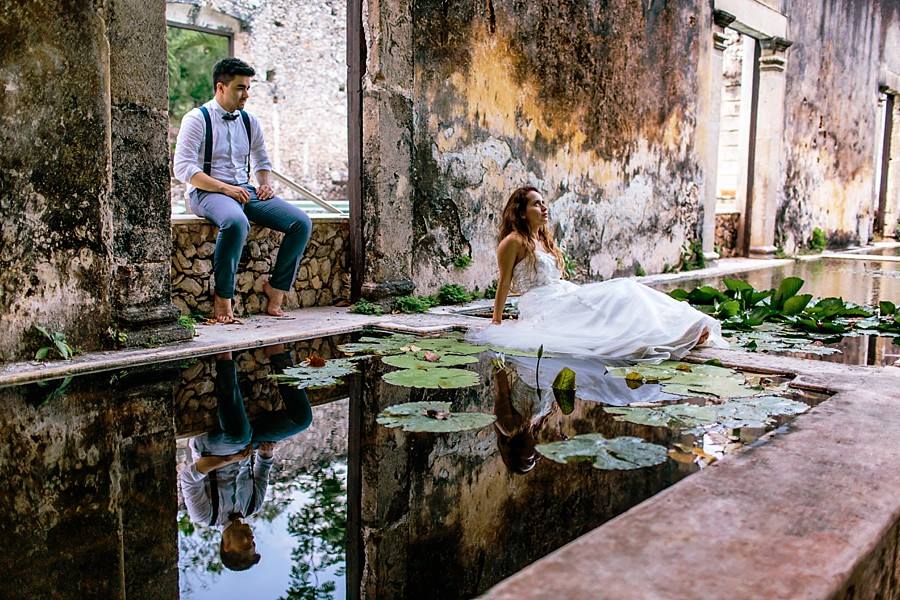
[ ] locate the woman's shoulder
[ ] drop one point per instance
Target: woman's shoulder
(513, 240)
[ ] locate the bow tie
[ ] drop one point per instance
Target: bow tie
(230, 117)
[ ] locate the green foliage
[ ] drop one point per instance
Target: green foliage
(639, 270)
(692, 257)
(413, 304)
(189, 323)
(433, 417)
(191, 56)
(818, 242)
(453, 293)
(462, 261)
(364, 307)
(307, 376)
(436, 378)
(490, 292)
(116, 336)
(568, 266)
(59, 345)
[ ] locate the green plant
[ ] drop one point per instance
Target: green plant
(490, 292)
(364, 307)
(818, 242)
(189, 323)
(59, 345)
(453, 293)
(639, 270)
(462, 261)
(780, 253)
(413, 304)
(692, 257)
(116, 336)
(568, 266)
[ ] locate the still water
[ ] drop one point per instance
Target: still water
(106, 479)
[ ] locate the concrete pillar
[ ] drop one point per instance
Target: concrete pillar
(387, 142)
(141, 205)
(768, 146)
(709, 125)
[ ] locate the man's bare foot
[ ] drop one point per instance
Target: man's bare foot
(276, 298)
(703, 337)
(222, 312)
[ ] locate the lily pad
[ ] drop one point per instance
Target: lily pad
(700, 380)
(391, 344)
(306, 376)
(616, 454)
(439, 377)
(432, 417)
(417, 361)
(446, 345)
(733, 414)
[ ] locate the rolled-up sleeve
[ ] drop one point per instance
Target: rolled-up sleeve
(187, 147)
(259, 158)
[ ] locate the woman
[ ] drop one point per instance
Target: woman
(615, 319)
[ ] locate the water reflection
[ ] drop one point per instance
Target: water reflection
(333, 506)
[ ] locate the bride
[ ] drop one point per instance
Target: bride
(614, 319)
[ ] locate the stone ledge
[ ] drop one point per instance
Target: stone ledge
(186, 219)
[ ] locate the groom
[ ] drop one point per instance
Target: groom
(218, 146)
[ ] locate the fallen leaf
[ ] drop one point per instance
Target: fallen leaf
(685, 368)
(314, 360)
(432, 356)
(440, 415)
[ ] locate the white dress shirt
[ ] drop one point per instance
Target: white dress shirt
(230, 148)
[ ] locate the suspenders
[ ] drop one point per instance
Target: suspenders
(214, 493)
(208, 142)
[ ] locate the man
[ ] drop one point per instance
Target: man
(218, 178)
(225, 481)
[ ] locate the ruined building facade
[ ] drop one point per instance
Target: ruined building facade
(612, 108)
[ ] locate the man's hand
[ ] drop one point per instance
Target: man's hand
(265, 192)
(239, 456)
(266, 449)
(237, 193)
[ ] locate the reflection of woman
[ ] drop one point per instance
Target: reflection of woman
(619, 318)
(520, 412)
(227, 479)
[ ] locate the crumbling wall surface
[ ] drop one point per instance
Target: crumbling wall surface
(830, 119)
(54, 172)
(593, 102)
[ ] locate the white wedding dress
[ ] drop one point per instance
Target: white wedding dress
(615, 319)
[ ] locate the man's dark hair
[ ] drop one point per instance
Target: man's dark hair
(238, 561)
(227, 68)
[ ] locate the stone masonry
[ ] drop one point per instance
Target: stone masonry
(323, 278)
(727, 233)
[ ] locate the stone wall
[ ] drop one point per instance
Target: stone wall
(727, 233)
(299, 93)
(464, 102)
(323, 278)
(831, 118)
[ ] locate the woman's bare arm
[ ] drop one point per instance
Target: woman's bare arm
(507, 253)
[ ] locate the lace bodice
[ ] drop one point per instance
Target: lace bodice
(544, 272)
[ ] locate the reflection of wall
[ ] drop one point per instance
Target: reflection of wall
(450, 495)
(87, 490)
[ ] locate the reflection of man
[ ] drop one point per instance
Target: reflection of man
(218, 146)
(227, 478)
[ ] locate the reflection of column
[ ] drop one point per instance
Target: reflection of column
(768, 146)
(710, 126)
(87, 490)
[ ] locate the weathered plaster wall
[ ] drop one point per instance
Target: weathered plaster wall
(592, 102)
(55, 259)
(833, 75)
(323, 277)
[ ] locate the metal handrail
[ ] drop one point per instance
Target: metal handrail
(305, 192)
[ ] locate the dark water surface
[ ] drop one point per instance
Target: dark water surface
(94, 496)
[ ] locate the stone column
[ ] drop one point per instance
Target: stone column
(141, 206)
(768, 147)
(709, 125)
(387, 141)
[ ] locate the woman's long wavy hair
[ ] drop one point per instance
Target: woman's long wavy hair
(513, 220)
